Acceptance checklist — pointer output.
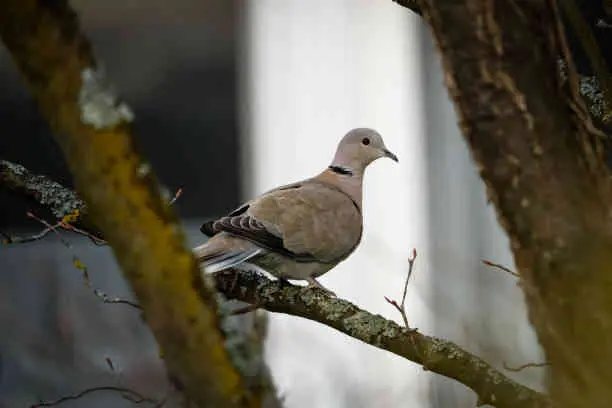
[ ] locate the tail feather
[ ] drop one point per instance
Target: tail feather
(219, 261)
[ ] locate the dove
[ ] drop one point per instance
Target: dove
(302, 230)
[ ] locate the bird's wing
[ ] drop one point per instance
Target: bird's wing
(308, 222)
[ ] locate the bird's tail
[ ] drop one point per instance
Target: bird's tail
(225, 260)
(222, 252)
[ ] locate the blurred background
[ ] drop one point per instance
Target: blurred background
(233, 98)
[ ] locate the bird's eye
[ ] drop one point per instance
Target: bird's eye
(365, 141)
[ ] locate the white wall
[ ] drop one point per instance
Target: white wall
(315, 70)
(479, 307)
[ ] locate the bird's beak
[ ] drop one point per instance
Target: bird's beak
(390, 155)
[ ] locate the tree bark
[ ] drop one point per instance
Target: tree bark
(436, 355)
(122, 196)
(544, 172)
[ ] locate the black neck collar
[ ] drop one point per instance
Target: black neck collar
(341, 170)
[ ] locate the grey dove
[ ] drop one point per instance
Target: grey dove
(300, 230)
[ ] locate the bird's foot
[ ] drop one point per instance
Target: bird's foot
(313, 283)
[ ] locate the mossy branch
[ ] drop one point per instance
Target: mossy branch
(122, 195)
(61, 201)
(48, 193)
(434, 354)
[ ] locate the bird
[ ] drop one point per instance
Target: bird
(301, 230)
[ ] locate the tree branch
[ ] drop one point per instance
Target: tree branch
(436, 355)
(60, 200)
(93, 130)
(127, 393)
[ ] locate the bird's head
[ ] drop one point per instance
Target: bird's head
(360, 147)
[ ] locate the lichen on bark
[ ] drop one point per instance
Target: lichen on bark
(93, 131)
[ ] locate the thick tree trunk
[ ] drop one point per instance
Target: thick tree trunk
(124, 200)
(544, 175)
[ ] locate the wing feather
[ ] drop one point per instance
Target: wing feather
(307, 222)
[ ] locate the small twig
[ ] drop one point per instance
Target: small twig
(108, 299)
(10, 239)
(77, 262)
(69, 227)
(410, 268)
(178, 193)
(401, 308)
(501, 267)
(524, 366)
(126, 393)
(50, 228)
(110, 363)
(100, 294)
(63, 225)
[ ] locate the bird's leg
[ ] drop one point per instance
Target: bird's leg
(313, 283)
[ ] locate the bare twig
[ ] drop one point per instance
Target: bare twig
(524, 366)
(100, 294)
(63, 225)
(108, 299)
(177, 195)
(109, 363)
(411, 260)
(69, 227)
(126, 393)
(501, 267)
(50, 228)
(11, 239)
(401, 308)
(75, 260)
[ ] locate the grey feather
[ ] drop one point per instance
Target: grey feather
(227, 260)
